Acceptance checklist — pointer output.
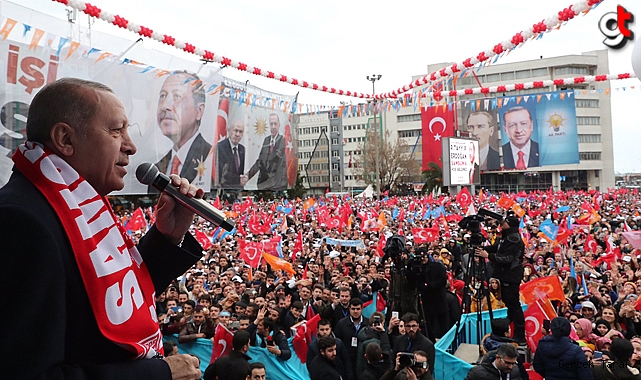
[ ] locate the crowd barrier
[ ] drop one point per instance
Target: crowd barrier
(447, 366)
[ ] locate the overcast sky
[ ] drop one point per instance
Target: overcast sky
(338, 43)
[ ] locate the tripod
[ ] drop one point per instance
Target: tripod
(478, 272)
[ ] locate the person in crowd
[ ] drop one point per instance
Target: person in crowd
(76, 153)
(258, 371)
(619, 366)
(323, 367)
(347, 329)
(199, 326)
(374, 333)
(506, 258)
(420, 370)
(559, 348)
(234, 366)
(414, 340)
(343, 363)
(170, 348)
(376, 363)
(264, 334)
(498, 364)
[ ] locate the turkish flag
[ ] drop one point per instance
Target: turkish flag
(425, 235)
(298, 245)
(534, 315)
(437, 122)
(290, 157)
(222, 342)
(250, 252)
(203, 239)
(221, 131)
(333, 222)
(544, 287)
(137, 221)
(464, 198)
(590, 244)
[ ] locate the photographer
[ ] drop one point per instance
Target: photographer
(410, 366)
(374, 333)
(430, 278)
(506, 258)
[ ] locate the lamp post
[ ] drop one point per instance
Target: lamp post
(373, 79)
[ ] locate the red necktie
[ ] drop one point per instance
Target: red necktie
(520, 164)
(236, 159)
(175, 164)
(271, 147)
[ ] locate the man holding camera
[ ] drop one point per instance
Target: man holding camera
(506, 258)
(410, 366)
(374, 333)
(413, 340)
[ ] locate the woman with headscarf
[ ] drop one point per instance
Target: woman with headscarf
(619, 367)
(583, 328)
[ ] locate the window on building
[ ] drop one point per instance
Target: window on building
(334, 166)
(571, 70)
(315, 130)
(587, 103)
(334, 128)
(589, 138)
(588, 120)
(507, 76)
(522, 74)
(542, 72)
(334, 153)
(336, 178)
(409, 133)
(493, 77)
(590, 156)
(408, 118)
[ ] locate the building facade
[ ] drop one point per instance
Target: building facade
(345, 132)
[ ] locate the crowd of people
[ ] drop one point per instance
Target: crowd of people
(597, 266)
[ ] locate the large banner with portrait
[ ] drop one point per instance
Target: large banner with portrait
(172, 114)
(538, 130)
(256, 140)
(523, 131)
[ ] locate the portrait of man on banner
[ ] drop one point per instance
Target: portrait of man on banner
(482, 126)
(518, 127)
(230, 157)
(181, 105)
(271, 164)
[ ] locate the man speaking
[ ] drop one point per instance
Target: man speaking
(94, 288)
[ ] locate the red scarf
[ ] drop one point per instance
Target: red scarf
(117, 281)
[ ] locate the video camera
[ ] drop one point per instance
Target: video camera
(408, 359)
(472, 223)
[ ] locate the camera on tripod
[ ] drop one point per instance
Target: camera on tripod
(472, 223)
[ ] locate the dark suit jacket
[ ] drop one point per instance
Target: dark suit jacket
(228, 176)
(508, 158)
(54, 333)
(198, 151)
(272, 167)
(493, 161)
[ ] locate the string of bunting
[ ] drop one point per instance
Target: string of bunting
(549, 24)
(438, 95)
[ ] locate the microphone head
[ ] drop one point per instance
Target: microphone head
(146, 173)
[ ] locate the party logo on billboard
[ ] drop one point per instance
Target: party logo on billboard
(556, 122)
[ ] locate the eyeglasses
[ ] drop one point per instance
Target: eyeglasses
(508, 363)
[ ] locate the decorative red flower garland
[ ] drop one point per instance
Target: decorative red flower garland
(544, 26)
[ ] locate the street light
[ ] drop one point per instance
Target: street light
(373, 79)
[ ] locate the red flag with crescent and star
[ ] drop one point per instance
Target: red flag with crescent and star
(222, 342)
(464, 198)
(437, 122)
(425, 235)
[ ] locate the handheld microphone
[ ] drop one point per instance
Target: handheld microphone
(148, 174)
